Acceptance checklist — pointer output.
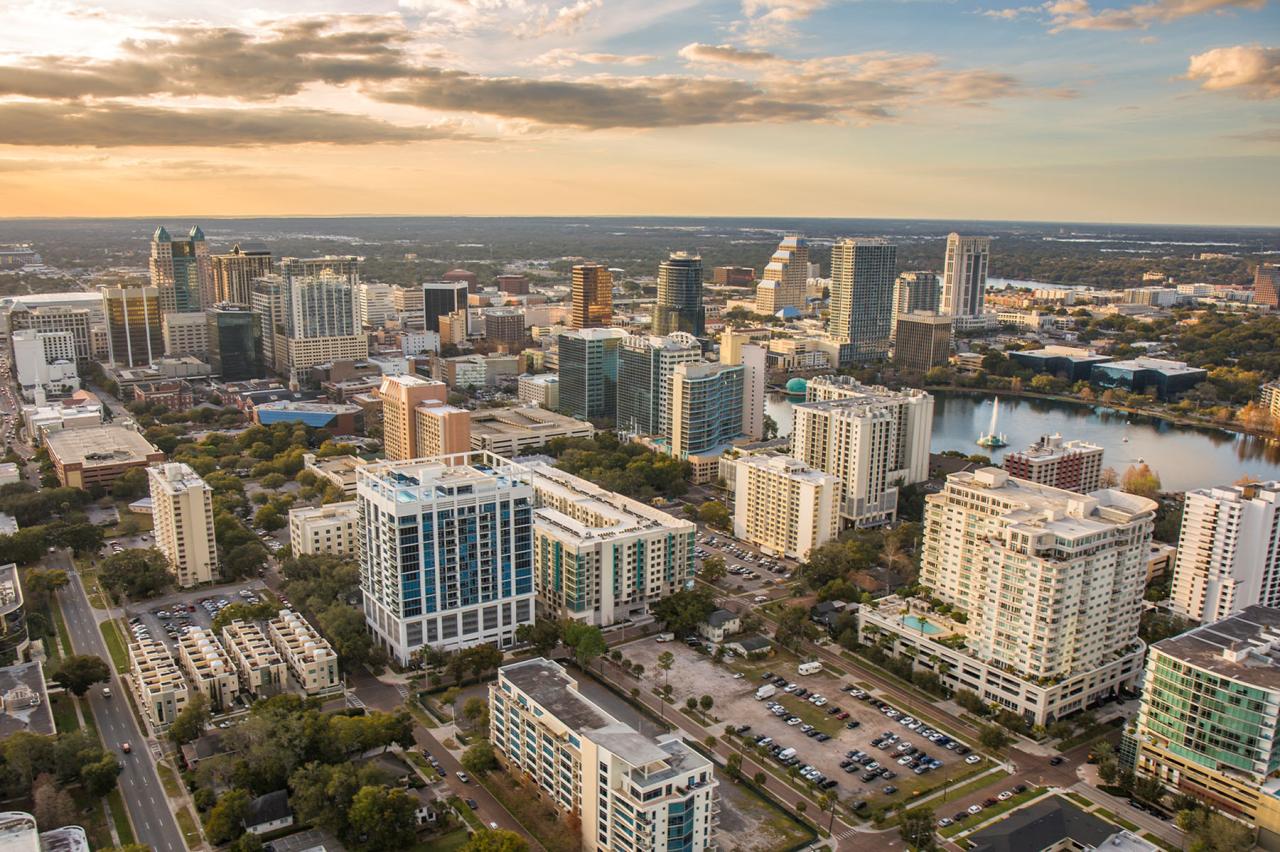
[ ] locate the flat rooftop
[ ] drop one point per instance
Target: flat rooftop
(177, 477)
(1159, 365)
(99, 445)
(786, 466)
(24, 702)
(519, 422)
(1244, 647)
(588, 511)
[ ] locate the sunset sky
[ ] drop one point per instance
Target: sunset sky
(1163, 111)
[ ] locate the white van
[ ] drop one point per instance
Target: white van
(811, 667)
(666, 637)
(786, 753)
(766, 691)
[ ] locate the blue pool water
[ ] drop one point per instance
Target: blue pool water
(914, 623)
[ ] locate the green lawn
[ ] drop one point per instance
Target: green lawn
(93, 819)
(450, 842)
(64, 638)
(423, 767)
(115, 645)
(187, 825)
(468, 815)
(988, 814)
(89, 724)
(1159, 841)
(985, 779)
(120, 816)
(169, 779)
(64, 712)
(1078, 799)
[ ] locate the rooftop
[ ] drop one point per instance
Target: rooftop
(1159, 365)
(176, 477)
(520, 421)
(1244, 647)
(590, 512)
(24, 703)
(786, 466)
(99, 445)
(1040, 826)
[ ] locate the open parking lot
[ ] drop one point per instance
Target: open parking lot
(747, 566)
(838, 735)
(166, 618)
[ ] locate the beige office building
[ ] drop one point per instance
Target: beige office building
(309, 657)
(182, 509)
(442, 429)
(400, 396)
(259, 666)
(542, 390)
(330, 528)
(185, 334)
(233, 273)
(158, 684)
(784, 506)
(209, 668)
(514, 431)
(785, 279)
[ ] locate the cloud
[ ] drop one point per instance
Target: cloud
(1080, 14)
(563, 57)
(112, 125)
(725, 54)
(770, 21)
(1251, 71)
(1269, 136)
(563, 20)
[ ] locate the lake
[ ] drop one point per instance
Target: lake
(1185, 457)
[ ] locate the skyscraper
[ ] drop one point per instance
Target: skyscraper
(964, 276)
(914, 291)
(784, 506)
(589, 373)
(320, 311)
(401, 395)
(785, 278)
(180, 271)
(862, 276)
(1266, 285)
(440, 299)
(592, 295)
(182, 508)
(922, 341)
(446, 553)
(679, 306)
(233, 272)
(235, 342)
(706, 412)
(135, 336)
(645, 366)
(267, 301)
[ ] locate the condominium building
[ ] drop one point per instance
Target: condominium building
(964, 275)
(261, 669)
(785, 278)
(732, 340)
(1266, 285)
(180, 271)
(1227, 557)
(914, 291)
(135, 337)
(233, 273)
(679, 305)
(18, 829)
(319, 316)
(446, 552)
(542, 390)
(589, 372)
(182, 509)
(600, 557)
(706, 413)
(748, 349)
(401, 395)
(340, 470)
(922, 341)
(870, 438)
(97, 455)
(373, 304)
(862, 281)
(44, 362)
(209, 668)
(645, 366)
(443, 429)
(591, 296)
(626, 791)
(442, 298)
(157, 682)
(504, 328)
(309, 657)
(235, 342)
(79, 322)
(1069, 465)
(330, 528)
(1209, 722)
(267, 301)
(185, 333)
(510, 432)
(784, 506)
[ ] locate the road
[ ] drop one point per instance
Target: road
(153, 822)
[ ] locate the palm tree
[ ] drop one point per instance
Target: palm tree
(921, 621)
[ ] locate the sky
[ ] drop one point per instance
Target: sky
(1067, 110)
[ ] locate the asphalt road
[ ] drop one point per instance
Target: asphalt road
(140, 786)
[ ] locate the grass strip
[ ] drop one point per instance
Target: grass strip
(1079, 800)
(120, 816)
(64, 712)
(987, 814)
(115, 646)
(187, 825)
(169, 779)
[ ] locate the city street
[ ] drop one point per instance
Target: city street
(153, 821)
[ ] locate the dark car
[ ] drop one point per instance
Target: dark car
(744, 729)
(473, 804)
(989, 803)
(888, 789)
(767, 676)
(1020, 788)
(960, 817)
(851, 725)
(1055, 760)
(822, 738)
(828, 784)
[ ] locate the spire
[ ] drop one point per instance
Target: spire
(161, 235)
(196, 233)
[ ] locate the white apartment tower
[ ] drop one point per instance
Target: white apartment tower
(628, 792)
(785, 278)
(446, 552)
(1227, 554)
(182, 509)
(784, 506)
(870, 438)
(964, 276)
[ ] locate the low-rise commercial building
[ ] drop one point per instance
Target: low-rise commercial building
(330, 528)
(513, 431)
(340, 470)
(625, 790)
(174, 395)
(1166, 379)
(542, 390)
(784, 506)
(340, 419)
(98, 455)
(210, 669)
(158, 684)
(310, 659)
(1069, 362)
(42, 420)
(259, 666)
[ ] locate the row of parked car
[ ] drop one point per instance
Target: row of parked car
(913, 724)
(788, 757)
(974, 810)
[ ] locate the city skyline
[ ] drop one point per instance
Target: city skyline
(1148, 112)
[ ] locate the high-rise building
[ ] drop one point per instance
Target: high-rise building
(600, 557)
(1069, 465)
(592, 296)
(442, 298)
(512, 285)
(733, 276)
(180, 271)
(373, 304)
(964, 275)
(320, 312)
(914, 291)
(1227, 556)
(185, 334)
(862, 277)
(589, 372)
(235, 342)
(51, 319)
(233, 272)
(922, 341)
(44, 363)
(446, 553)
(624, 790)
(785, 278)
(268, 303)
(679, 306)
(706, 414)
(442, 429)
(182, 508)
(870, 438)
(754, 360)
(135, 336)
(645, 366)
(733, 339)
(1266, 285)
(783, 506)
(1209, 722)
(504, 328)
(400, 396)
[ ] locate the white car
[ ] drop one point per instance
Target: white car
(974, 809)
(1005, 796)
(972, 759)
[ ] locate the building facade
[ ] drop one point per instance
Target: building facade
(591, 296)
(330, 528)
(517, 430)
(181, 271)
(1069, 465)
(542, 390)
(135, 336)
(441, 299)
(401, 395)
(158, 684)
(645, 366)
(862, 279)
(233, 272)
(914, 291)
(922, 341)
(182, 509)
(679, 305)
(1266, 285)
(310, 659)
(964, 275)
(259, 666)
(209, 668)
(504, 328)
(784, 282)
(235, 342)
(706, 407)
(783, 506)
(46, 361)
(98, 455)
(589, 372)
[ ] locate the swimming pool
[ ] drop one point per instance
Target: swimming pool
(914, 623)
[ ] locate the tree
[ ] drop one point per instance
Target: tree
(586, 640)
(714, 513)
(733, 765)
(130, 485)
(713, 569)
(53, 806)
(706, 702)
(225, 821)
(916, 829)
(994, 737)
(665, 660)
(344, 626)
(476, 711)
(684, 610)
(1141, 480)
(543, 635)
(495, 840)
(479, 759)
(1212, 832)
(793, 626)
(99, 777)
(79, 672)
(383, 817)
(191, 720)
(268, 518)
(136, 573)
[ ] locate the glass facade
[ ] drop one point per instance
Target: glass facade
(134, 334)
(679, 306)
(235, 343)
(862, 285)
(589, 376)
